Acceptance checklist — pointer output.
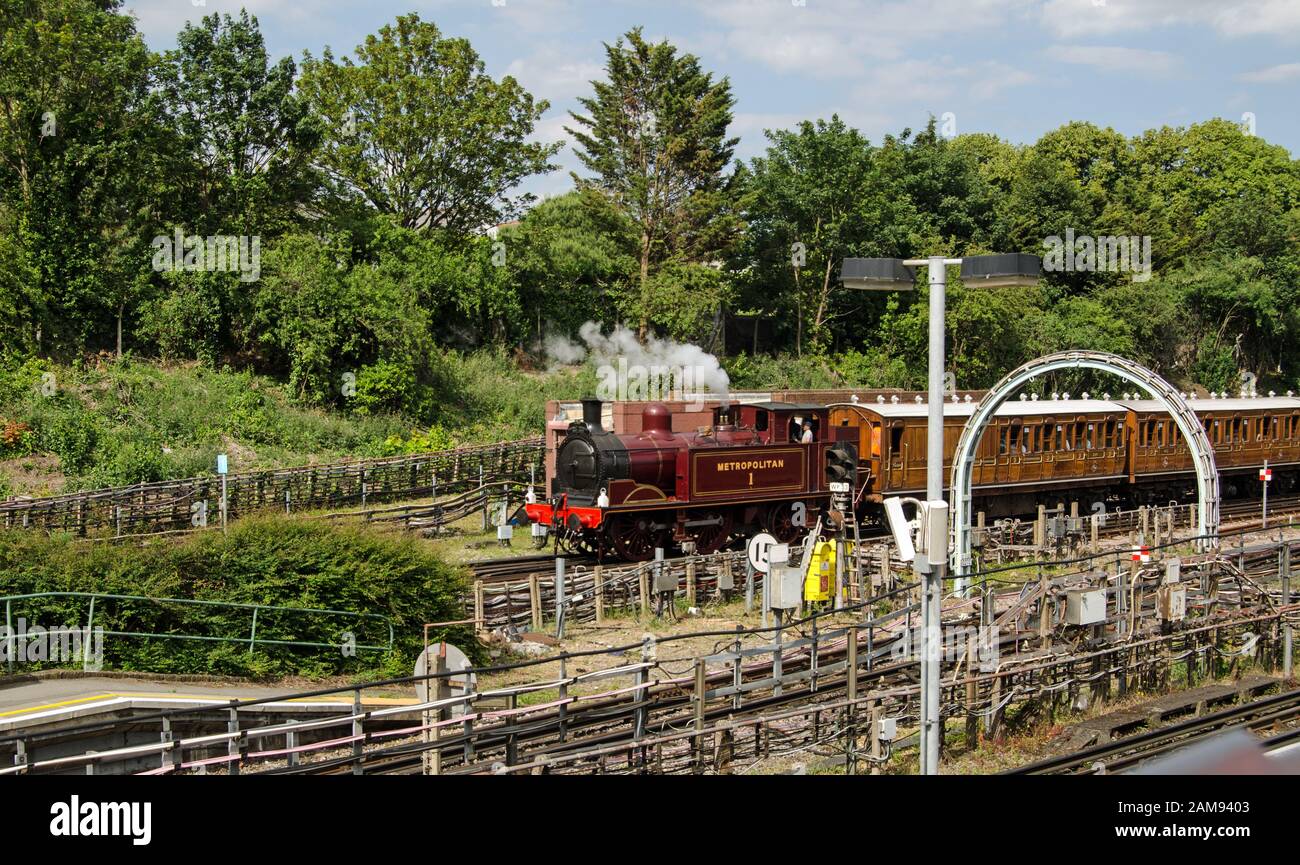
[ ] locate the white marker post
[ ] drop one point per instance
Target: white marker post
(222, 468)
(1265, 475)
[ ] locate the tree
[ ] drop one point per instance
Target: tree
(79, 139)
(814, 197)
(247, 137)
(570, 258)
(417, 130)
(655, 136)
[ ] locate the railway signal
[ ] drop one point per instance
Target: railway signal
(1265, 475)
(1142, 554)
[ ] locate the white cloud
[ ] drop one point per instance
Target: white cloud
(1114, 58)
(847, 38)
(556, 74)
(1073, 19)
(1272, 74)
(938, 85)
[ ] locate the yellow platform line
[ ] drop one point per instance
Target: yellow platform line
(164, 695)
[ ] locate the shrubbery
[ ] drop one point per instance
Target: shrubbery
(263, 560)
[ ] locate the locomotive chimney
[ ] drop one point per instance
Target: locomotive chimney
(591, 415)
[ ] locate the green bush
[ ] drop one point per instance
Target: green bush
(73, 435)
(386, 387)
(276, 561)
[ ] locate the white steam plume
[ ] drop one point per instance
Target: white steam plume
(691, 369)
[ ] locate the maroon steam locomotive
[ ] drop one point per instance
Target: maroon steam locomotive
(755, 467)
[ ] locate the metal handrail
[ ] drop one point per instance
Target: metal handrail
(252, 639)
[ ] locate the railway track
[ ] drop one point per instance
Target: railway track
(1131, 751)
(503, 570)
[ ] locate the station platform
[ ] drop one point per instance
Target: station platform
(37, 702)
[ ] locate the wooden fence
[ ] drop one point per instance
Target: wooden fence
(191, 503)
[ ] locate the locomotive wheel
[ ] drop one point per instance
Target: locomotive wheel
(711, 538)
(779, 522)
(580, 545)
(635, 537)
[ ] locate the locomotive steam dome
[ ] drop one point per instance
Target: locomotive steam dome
(656, 418)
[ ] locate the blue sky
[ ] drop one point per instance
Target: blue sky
(1016, 68)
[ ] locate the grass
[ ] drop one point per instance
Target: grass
(68, 427)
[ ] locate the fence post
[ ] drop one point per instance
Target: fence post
(749, 586)
(535, 600)
(485, 495)
(690, 584)
(877, 753)
(232, 744)
(643, 583)
(851, 753)
(9, 635)
(90, 623)
(358, 730)
(701, 683)
(737, 674)
(776, 654)
(252, 635)
(559, 597)
(1044, 610)
(598, 588)
(563, 710)
(1287, 672)
(480, 613)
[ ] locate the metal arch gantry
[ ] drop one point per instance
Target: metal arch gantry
(1207, 474)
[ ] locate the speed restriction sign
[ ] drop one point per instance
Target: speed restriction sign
(760, 546)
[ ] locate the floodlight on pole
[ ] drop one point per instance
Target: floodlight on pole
(892, 274)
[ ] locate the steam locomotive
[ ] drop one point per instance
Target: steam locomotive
(623, 495)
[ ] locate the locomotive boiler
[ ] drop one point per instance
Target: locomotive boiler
(762, 466)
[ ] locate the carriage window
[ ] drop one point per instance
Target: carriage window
(1091, 438)
(1002, 440)
(896, 440)
(760, 421)
(1063, 438)
(1216, 432)
(1160, 433)
(1017, 446)
(1259, 428)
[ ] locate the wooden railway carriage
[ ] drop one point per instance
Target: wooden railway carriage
(1121, 451)
(1244, 433)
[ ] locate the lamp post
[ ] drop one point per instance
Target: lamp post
(932, 566)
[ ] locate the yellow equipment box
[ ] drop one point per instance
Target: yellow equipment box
(819, 585)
